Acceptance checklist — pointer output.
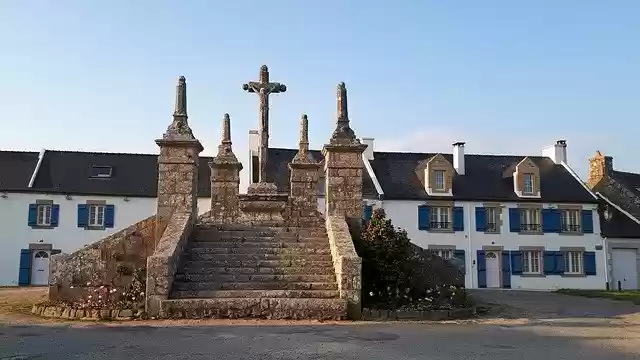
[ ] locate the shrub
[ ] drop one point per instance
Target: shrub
(397, 273)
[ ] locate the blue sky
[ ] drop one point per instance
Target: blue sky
(504, 76)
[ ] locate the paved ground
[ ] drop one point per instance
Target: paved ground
(538, 326)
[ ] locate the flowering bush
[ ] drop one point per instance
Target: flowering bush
(112, 296)
(397, 274)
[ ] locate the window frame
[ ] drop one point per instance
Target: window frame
(491, 213)
(532, 219)
(42, 217)
(441, 252)
(440, 218)
(97, 174)
(573, 259)
(569, 224)
(528, 182)
(443, 184)
(529, 262)
(94, 212)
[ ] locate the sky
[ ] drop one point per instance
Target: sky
(506, 77)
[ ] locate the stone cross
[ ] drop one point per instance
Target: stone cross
(263, 88)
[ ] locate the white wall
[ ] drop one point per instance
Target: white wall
(15, 234)
(404, 214)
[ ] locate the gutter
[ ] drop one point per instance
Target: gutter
(35, 171)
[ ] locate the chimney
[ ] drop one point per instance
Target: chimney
(600, 166)
(368, 152)
(458, 157)
(254, 141)
(557, 152)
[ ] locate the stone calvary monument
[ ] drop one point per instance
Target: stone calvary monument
(263, 254)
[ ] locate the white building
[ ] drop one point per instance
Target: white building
(520, 222)
(56, 201)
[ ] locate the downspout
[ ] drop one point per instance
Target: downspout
(470, 249)
(35, 172)
(605, 247)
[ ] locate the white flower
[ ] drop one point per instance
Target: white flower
(89, 296)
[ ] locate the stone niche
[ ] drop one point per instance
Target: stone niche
(263, 205)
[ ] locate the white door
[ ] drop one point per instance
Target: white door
(40, 268)
(493, 269)
(625, 268)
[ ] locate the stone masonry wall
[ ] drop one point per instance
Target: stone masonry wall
(303, 198)
(347, 264)
(102, 263)
(344, 183)
(225, 183)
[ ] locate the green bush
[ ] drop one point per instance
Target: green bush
(398, 274)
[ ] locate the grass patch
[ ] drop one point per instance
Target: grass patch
(21, 300)
(633, 296)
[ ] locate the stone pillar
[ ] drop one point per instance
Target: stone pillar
(225, 179)
(343, 167)
(303, 198)
(600, 167)
(177, 165)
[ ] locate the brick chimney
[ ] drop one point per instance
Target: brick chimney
(600, 166)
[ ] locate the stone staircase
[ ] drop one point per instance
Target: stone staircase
(238, 271)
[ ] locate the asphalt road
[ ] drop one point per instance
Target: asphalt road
(583, 339)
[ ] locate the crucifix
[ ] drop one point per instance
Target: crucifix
(264, 88)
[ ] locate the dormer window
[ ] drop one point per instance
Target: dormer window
(527, 183)
(439, 180)
(101, 172)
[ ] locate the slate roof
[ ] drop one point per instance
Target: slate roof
(621, 188)
(483, 179)
(619, 225)
(68, 172)
(278, 170)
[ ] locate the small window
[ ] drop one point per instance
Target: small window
(443, 253)
(255, 169)
(527, 184)
(530, 220)
(439, 179)
(491, 219)
(571, 221)
(44, 215)
(96, 215)
(42, 255)
(531, 262)
(440, 218)
(573, 262)
(101, 172)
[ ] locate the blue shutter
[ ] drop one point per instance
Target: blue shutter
(559, 255)
(109, 215)
(506, 270)
(458, 218)
(55, 215)
(514, 220)
(367, 213)
(423, 217)
(589, 263)
(33, 215)
(550, 220)
(459, 255)
(24, 274)
(587, 221)
(480, 219)
(482, 270)
(516, 263)
(83, 215)
(549, 263)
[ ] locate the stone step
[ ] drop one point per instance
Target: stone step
(292, 270)
(255, 278)
(255, 257)
(256, 294)
(265, 308)
(190, 265)
(263, 239)
(317, 245)
(271, 250)
(281, 285)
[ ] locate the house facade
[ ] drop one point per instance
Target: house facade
(519, 222)
(60, 201)
(619, 214)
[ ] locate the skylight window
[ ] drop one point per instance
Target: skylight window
(101, 172)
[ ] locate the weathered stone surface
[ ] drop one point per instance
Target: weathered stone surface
(162, 265)
(225, 179)
(263, 209)
(126, 313)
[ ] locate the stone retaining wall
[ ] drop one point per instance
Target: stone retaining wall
(433, 315)
(347, 264)
(65, 312)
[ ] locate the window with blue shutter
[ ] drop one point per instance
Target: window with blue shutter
(55, 215)
(480, 219)
(367, 213)
(514, 220)
(559, 255)
(551, 221)
(482, 269)
(423, 217)
(458, 218)
(83, 215)
(458, 255)
(109, 216)
(549, 264)
(589, 263)
(32, 219)
(506, 270)
(24, 273)
(516, 262)
(587, 221)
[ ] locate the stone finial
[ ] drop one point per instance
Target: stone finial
(179, 128)
(264, 74)
(226, 129)
(225, 151)
(343, 135)
(303, 156)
